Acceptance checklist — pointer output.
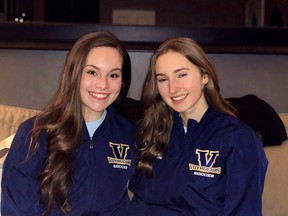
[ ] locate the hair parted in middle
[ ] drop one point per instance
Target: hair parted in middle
(156, 124)
(61, 120)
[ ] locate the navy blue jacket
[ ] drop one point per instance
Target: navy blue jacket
(101, 171)
(217, 168)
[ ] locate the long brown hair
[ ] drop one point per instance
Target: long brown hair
(156, 124)
(61, 120)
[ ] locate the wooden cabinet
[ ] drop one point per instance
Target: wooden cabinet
(21, 10)
(3, 10)
(72, 11)
(66, 11)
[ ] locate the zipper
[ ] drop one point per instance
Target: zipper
(185, 138)
(91, 146)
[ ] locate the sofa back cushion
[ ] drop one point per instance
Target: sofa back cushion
(275, 192)
(11, 117)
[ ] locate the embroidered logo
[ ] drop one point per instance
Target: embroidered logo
(206, 160)
(120, 152)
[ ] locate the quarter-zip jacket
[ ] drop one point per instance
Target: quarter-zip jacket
(217, 168)
(101, 171)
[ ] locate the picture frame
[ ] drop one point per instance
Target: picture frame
(133, 17)
(3, 10)
(254, 13)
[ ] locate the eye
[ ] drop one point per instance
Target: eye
(115, 75)
(161, 79)
(182, 75)
(91, 72)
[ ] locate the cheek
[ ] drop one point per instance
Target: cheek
(84, 82)
(116, 85)
(162, 89)
(194, 84)
(82, 88)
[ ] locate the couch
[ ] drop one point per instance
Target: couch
(275, 195)
(10, 119)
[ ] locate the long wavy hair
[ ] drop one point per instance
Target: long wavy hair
(62, 120)
(156, 124)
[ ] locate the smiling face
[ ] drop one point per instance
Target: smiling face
(101, 81)
(180, 85)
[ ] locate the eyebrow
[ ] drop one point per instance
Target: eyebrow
(97, 68)
(181, 69)
(89, 65)
(175, 71)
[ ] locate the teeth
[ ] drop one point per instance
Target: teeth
(98, 95)
(179, 97)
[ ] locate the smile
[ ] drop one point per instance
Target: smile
(178, 98)
(99, 95)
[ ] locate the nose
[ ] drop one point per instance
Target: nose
(102, 82)
(173, 87)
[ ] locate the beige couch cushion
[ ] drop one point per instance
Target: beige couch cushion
(11, 117)
(4, 147)
(275, 194)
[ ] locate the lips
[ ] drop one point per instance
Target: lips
(99, 95)
(179, 98)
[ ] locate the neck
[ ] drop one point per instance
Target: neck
(196, 113)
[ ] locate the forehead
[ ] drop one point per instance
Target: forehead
(103, 53)
(172, 61)
(171, 57)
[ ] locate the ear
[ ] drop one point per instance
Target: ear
(205, 79)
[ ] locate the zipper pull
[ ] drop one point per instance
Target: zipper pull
(91, 143)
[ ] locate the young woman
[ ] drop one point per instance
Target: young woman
(195, 157)
(77, 155)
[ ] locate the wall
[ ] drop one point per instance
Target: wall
(202, 13)
(28, 78)
(184, 12)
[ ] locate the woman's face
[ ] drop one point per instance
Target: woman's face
(181, 85)
(101, 81)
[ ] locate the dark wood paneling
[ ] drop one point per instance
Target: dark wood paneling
(60, 36)
(187, 12)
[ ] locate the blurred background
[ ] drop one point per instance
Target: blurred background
(149, 12)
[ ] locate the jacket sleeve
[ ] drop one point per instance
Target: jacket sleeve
(246, 170)
(20, 179)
